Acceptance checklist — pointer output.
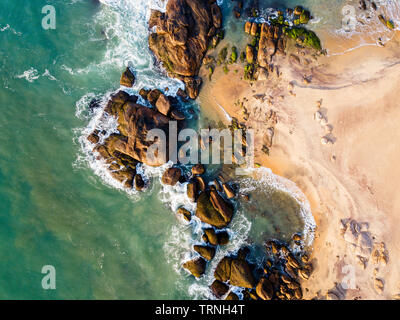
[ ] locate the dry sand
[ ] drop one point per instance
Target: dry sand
(355, 177)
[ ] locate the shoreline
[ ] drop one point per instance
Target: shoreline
(337, 179)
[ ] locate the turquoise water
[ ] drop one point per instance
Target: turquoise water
(55, 208)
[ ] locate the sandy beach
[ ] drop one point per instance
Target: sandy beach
(334, 131)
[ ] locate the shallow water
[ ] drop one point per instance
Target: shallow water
(54, 209)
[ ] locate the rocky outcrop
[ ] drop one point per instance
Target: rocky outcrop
(219, 288)
(206, 252)
(196, 267)
(127, 78)
(213, 209)
(182, 37)
(241, 275)
(171, 176)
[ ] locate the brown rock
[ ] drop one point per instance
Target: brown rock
(250, 54)
(171, 176)
(185, 213)
(264, 289)
(196, 266)
(153, 96)
(241, 275)
(219, 288)
(93, 138)
(138, 182)
(144, 93)
(216, 15)
(201, 184)
(254, 29)
(223, 238)
(193, 85)
(177, 115)
(228, 191)
(163, 104)
(127, 78)
(198, 169)
(210, 236)
(206, 211)
(224, 208)
(223, 270)
(205, 251)
(232, 296)
(192, 191)
(247, 27)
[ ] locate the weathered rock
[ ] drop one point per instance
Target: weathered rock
(224, 208)
(135, 121)
(219, 288)
(201, 183)
(153, 96)
(144, 93)
(193, 85)
(223, 270)
(228, 191)
(250, 54)
(196, 266)
(182, 36)
(264, 289)
(177, 115)
(192, 191)
(163, 104)
(268, 44)
(207, 212)
(138, 182)
(223, 238)
(241, 275)
(93, 138)
(247, 27)
(127, 78)
(210, 236)
(254, 29)
(232, 296)
(198, 169)
(171, 176)
(205, 251)
(185, 213)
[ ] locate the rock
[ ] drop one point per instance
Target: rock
(242, 253)
(185, 213)
(292, 261)
(223, 270)
(182, 35)
(223, 238)
(219, 288)
(247, 27)
(205, 251)
(216, 15)
(267, 44)
(134, 123)
(264, 289)
(171, 176)
(378, 285)
(192, 191)
(228, 191)
(296, 237)
(210, 236)
(217, 185)
(163, 104)
(124, 176)
(143, 93)
(218, 215)
(201, 184)
(153, 96)
(233, 296)
(193, 85)
(241, 275)
(138, 182)
(93, 138)
(254, 29)
(182, 94)
(250, 54)
(198, 169)
(177, 115)
(196, 266)
(127, 78)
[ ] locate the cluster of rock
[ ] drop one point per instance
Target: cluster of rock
(269, 39)
(122, 151)
(182, 36)
(279, 279)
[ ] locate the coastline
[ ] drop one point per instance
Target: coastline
(353, 177)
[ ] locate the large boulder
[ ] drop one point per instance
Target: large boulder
(223, 270)
(127, 78)
(213, 209)
(196, 266)
(163, 104)
(205, 251)
(134, 123)
(241, 275)
(171, 176)
(219, 288)
(182, 35)
(265, 289)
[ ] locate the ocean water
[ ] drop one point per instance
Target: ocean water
(57, 206)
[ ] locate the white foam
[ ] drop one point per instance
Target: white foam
(29, 75)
